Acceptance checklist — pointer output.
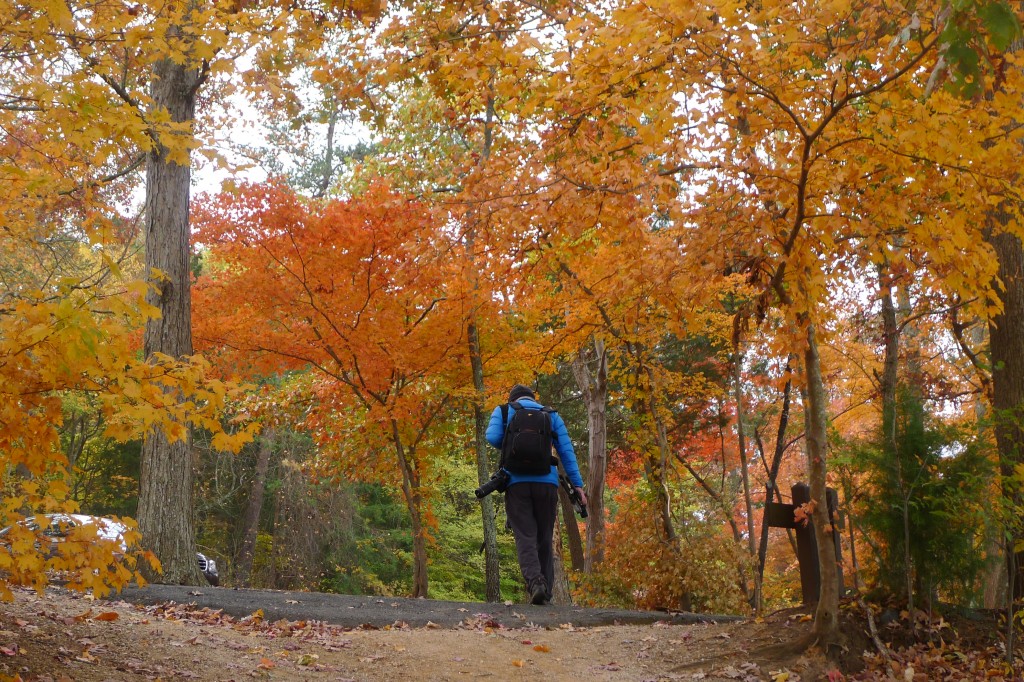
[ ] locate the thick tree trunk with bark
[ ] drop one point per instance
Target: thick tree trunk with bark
(594, 386)
(165, 492)
(1006, 334)
(826, 617)
(560, 592)
(253, 511)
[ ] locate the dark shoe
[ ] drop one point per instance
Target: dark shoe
(539, 593)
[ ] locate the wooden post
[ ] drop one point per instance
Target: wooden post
(778, 515)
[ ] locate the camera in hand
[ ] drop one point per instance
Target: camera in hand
(498, 484)
(574, 495)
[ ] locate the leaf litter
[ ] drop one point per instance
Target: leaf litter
(51, 638)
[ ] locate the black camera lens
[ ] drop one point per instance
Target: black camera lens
(498, 483)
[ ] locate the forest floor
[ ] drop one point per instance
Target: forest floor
(62, 637)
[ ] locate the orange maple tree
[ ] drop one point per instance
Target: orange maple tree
(362, 291)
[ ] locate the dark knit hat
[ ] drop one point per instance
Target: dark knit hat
(519, 391)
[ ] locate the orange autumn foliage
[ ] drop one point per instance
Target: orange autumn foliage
(359, 289)
(362, 291)
(696, 572)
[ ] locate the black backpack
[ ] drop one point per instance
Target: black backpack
(526, 448)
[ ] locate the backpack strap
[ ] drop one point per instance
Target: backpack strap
(504, 434)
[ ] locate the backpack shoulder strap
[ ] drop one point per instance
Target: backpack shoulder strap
(504, 416)
(548, 411)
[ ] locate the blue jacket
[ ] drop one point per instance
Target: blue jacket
(562, 443)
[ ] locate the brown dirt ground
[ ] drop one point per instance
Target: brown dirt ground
(60, 636)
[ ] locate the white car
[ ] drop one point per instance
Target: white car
(106, 529)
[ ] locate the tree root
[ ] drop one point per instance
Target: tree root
(879, 644)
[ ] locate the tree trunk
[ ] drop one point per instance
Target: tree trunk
(889, 384)
(328, 171)
(773, 471)
(572, 530)
(994, 580)
(419, 549)
(414, 502)
(251, 520)
(854, 563)
(560, 593)
(1006, 334)
(890, 363)
(594, 387)
(657, 468)
(492, 569)
(744, 473)
(165, 493)
(826, 616)
(276, 533)
(1006, 342)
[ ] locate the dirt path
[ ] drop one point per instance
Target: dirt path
(59, 636)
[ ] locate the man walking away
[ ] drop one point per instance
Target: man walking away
(525, 431)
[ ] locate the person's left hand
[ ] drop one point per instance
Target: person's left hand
(583, 496)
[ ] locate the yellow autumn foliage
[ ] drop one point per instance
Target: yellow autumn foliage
(76, 125)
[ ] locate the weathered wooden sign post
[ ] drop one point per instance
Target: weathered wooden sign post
(779, 515)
